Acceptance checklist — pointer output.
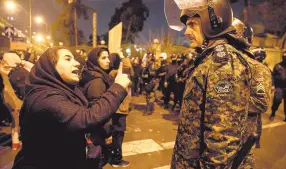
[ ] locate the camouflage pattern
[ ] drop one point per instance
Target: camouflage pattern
(261, 84)
(214, 110)
(260, 93)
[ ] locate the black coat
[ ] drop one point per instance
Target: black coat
(54, 118)
(94, 84)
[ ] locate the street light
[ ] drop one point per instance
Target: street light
(39, 38)
(10, 5)
(40, 20)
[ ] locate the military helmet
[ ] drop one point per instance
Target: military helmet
(239, 27)
(216, 15)
(259, 54)
(248, 34)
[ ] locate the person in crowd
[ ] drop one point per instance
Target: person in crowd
(162, 73)
(94, 83)
(279, 75)
(144, 77)
(55, 115)
(80, 59)
(180, 79)
(170, 82)
(137, 75)
(214, 110)
(119, 118)
(150, 84)
(5, 117)
(10, 63)
(260, 88)
(260, 56)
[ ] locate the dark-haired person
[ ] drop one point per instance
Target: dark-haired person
(55, 115)
(119, 118)
(137, 75)
(10, 63)
(279, 75)
(170, 82)
(95, 82)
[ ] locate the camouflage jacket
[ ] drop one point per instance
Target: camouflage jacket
(214, 110)
(260, 89)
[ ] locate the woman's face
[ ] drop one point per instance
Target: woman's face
(67, 67)
(103, 60)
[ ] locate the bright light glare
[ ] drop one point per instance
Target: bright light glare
(48, 37)
(10, 5)
(39, 38)
(39, 19)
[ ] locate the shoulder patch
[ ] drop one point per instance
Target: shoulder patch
(260, 89)
(220, 54)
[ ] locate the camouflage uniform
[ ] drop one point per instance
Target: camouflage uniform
(214, 110)
(260, 91)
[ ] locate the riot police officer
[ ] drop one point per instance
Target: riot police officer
(214, 109)
(279, 74)
(170, 82)
(260, 87)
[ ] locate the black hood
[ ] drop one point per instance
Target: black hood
(44, 77)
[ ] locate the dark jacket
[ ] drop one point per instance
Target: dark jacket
(94, 84)
(279, 75)
(137, 71)
(171, 72)
(54, 118)
(17, 78)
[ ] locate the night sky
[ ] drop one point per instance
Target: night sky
(105, 9)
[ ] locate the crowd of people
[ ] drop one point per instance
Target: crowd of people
(69, 110)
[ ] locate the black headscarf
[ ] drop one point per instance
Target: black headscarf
(94, 69)
(114, 60)
(44, 77)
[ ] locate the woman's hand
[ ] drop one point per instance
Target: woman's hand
(122, 80)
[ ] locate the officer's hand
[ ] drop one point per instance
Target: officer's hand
(122, 80)
(165, 84)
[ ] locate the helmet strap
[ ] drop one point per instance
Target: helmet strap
(205, 44)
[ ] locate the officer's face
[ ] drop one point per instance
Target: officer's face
(67, 67)
(194, 32)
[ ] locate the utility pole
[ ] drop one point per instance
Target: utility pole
(94, 35)
(30, 32)
(128, 30)
(75, 28)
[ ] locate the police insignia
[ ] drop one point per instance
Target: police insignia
(219, 48)
(220, 54)
(260, 89)
(223, 87)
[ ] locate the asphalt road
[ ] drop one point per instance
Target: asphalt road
(149, 140)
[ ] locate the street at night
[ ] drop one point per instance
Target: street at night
(149, 140)
(142, 84)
